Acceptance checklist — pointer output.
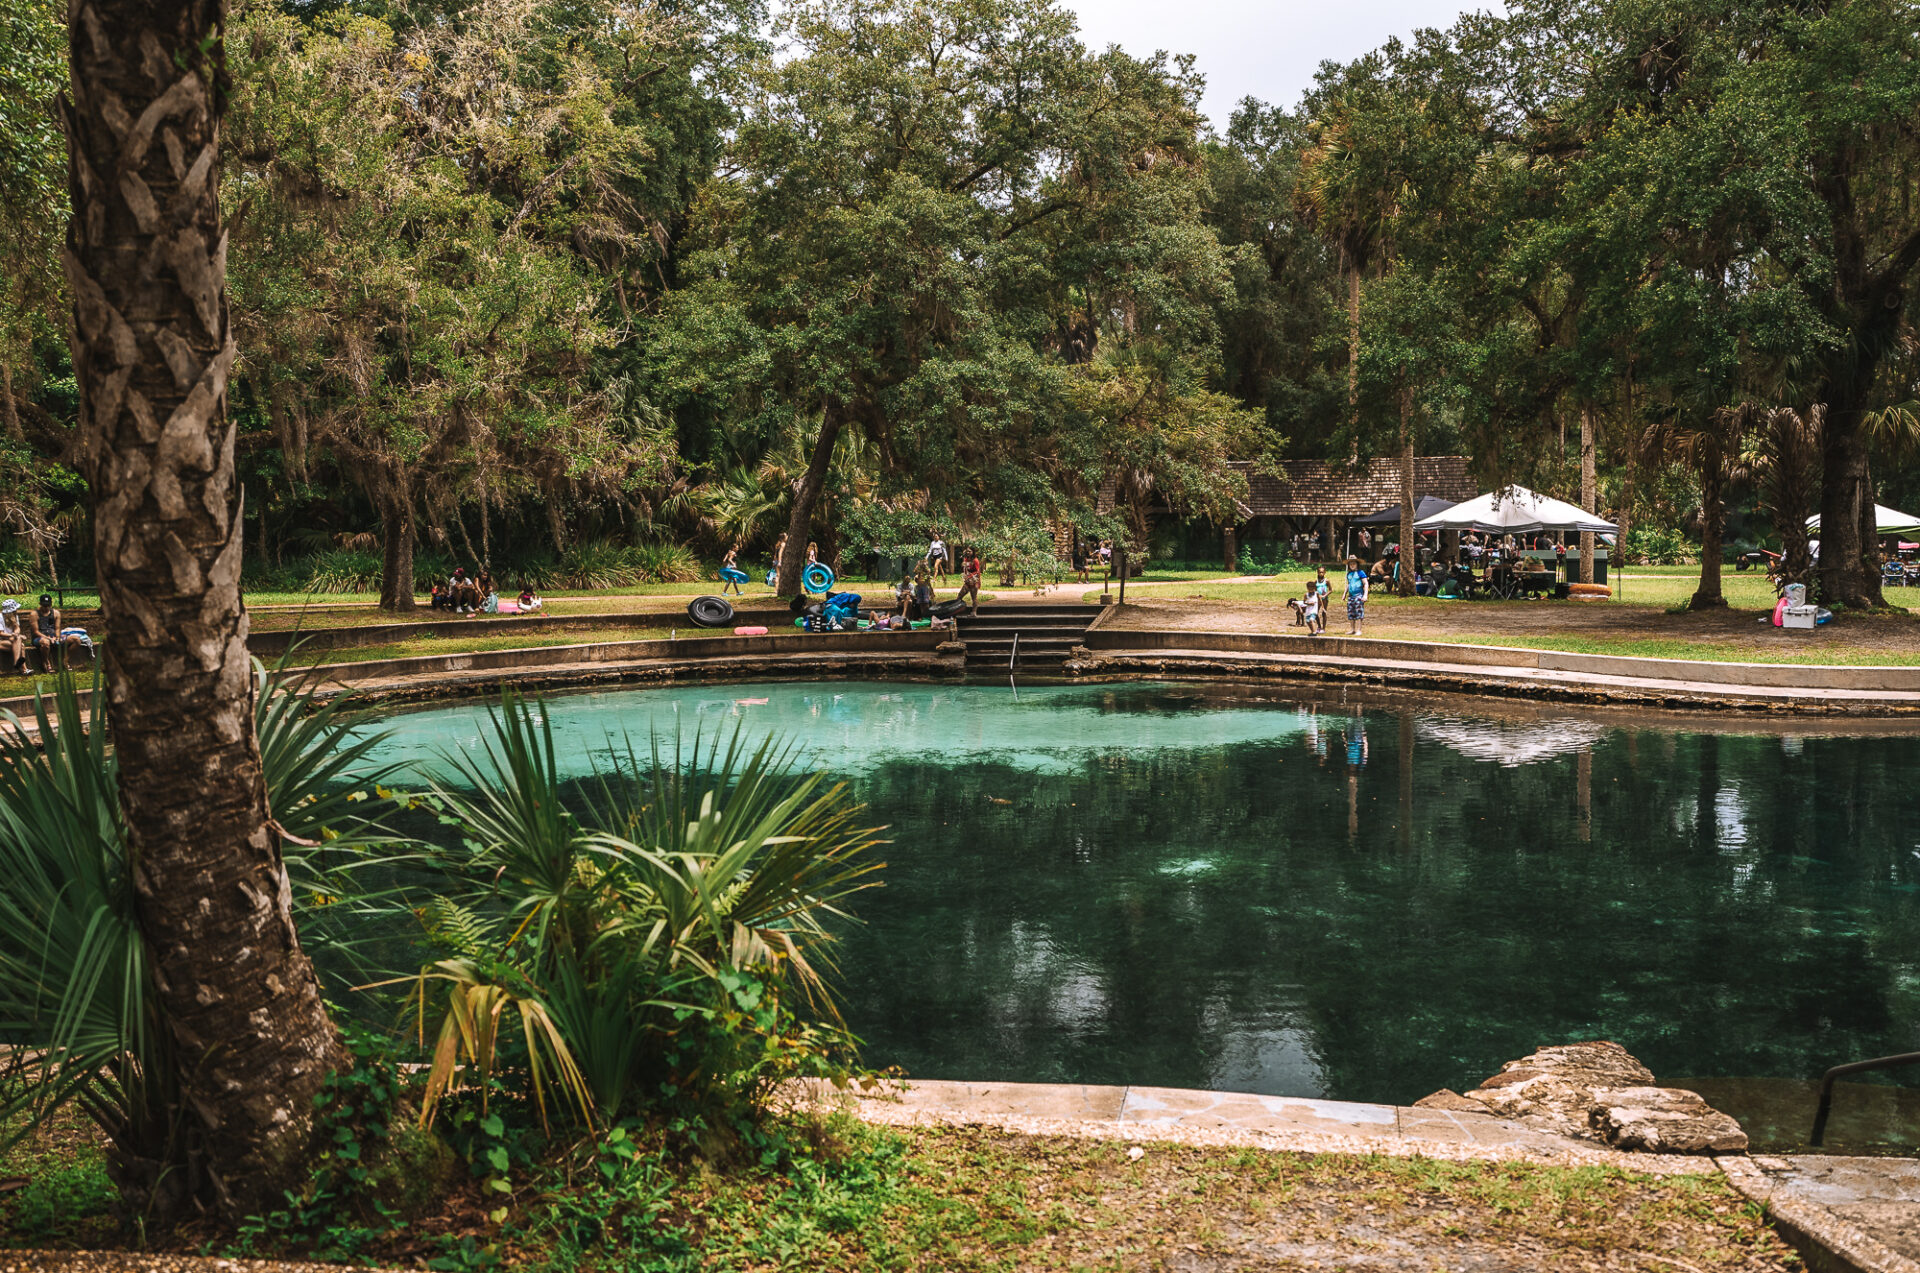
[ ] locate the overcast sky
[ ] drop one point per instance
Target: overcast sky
(1267, 49)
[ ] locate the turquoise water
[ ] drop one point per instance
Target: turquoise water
(1232, 888)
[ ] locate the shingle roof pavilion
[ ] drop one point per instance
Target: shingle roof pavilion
(1314, 488)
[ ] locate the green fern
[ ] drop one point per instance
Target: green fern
(457, 928)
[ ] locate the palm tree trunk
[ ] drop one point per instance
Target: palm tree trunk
(1353, 348)
(152, 347)
(1589, 488)
(806, 493)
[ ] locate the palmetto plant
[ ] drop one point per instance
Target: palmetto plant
(76, 994)
(652, 902)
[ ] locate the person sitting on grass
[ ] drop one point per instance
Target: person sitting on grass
(730, 573)
(903, 597)
(529, 599)
(462, 596)
(12, 639)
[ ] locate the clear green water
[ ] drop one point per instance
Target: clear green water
(1231, 888)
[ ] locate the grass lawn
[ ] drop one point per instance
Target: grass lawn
(1661, 586)
(1653, 623)
(983, 1199)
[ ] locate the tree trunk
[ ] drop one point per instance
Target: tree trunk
(1353, 351)
(152, 347)
(1847, 577)
(9, 414)
(1409, 552)
(806, 493)
(396, 550)
(1713, 518)
(1589, 489)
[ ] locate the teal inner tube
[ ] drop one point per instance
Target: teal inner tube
(817, 578)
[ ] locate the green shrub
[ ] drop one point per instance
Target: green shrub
(431, 566)
(57, 1200)
(73, 969)
(20, 570)
(1661, 548)
(665, 563)
(595, 565)
(671, 931)
(344, 570)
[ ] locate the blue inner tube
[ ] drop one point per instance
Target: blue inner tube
(817, 578)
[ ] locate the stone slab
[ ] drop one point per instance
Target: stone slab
(1845, 1215)
(1881, 1195)
(1167, 1106)
(1448, 1126)
(1026, 1100)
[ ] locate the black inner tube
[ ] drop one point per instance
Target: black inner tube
(710, 612)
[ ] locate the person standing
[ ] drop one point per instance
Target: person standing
(773, 571)
(970, 579)
(922, 593)
(731, 576)
(937, 555)
(1358, 586)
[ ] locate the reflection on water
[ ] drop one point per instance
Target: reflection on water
(1212, 888)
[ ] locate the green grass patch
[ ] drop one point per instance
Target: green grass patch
(1749, 591)
(854, 1197)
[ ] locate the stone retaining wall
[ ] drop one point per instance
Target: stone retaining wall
(727, 647)
(270, 645)
(1767, 675)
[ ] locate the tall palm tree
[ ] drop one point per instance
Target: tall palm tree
(152, 347)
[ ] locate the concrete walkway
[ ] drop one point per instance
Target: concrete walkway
(1865, 1212)
(1533, 682)
(1299, 1124)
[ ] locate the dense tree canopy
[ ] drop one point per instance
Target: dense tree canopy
(512, 277)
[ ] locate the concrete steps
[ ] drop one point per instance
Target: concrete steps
(1046, 635)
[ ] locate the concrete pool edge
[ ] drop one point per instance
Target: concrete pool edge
(1118, 653)
(1195, 1117)
(1142, 1116)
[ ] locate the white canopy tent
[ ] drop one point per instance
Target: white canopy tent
(1889, 521)
(1516, 510)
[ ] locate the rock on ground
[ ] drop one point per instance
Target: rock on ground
(1599, 1091)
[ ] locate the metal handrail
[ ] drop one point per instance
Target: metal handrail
(1014, 655)
(1853, 1067)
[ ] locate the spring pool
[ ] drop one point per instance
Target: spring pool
(1257, 890)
